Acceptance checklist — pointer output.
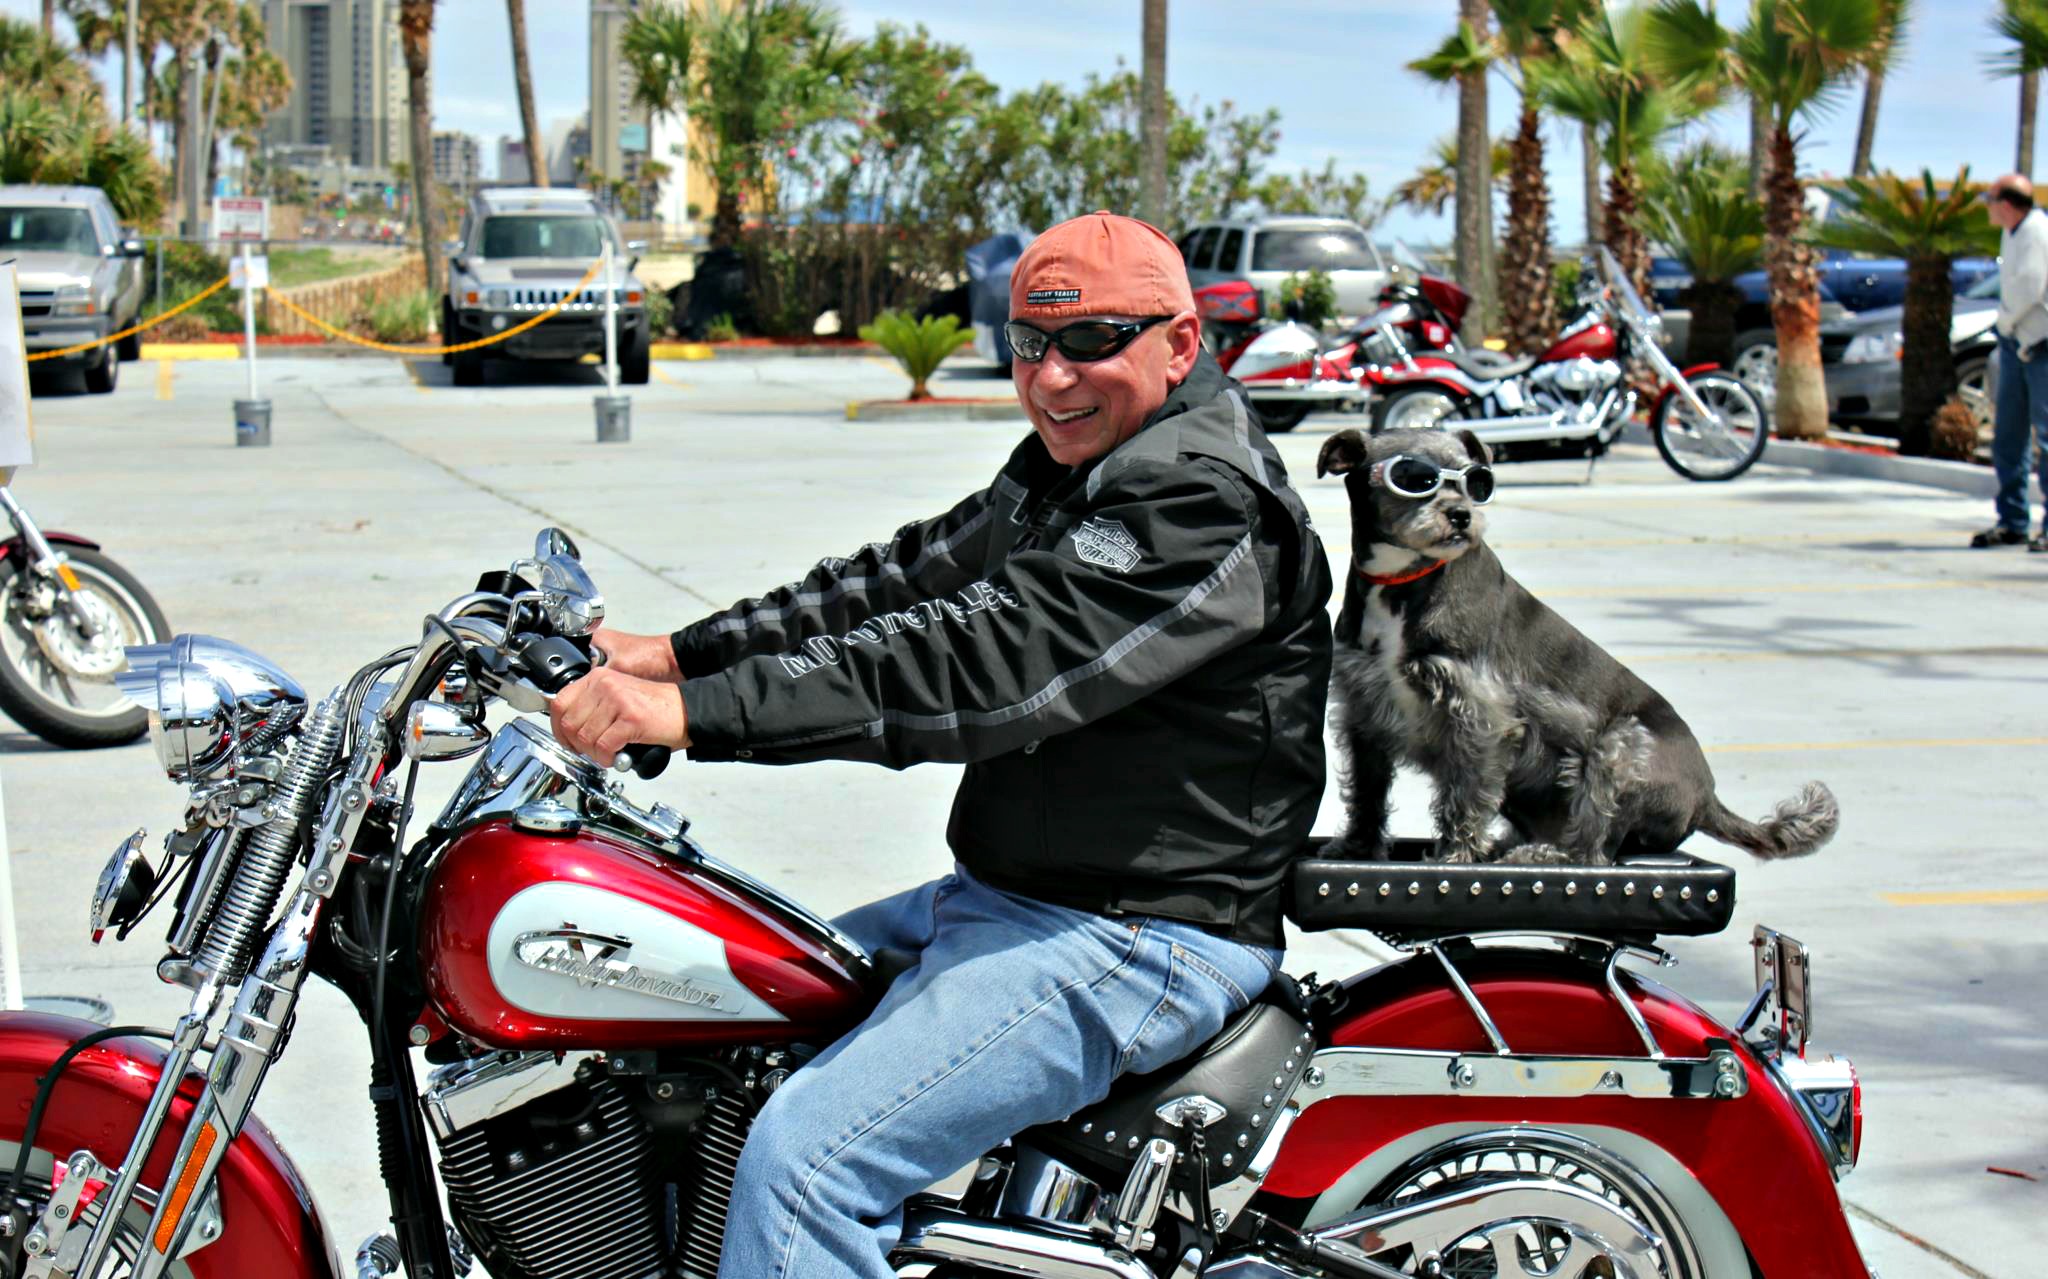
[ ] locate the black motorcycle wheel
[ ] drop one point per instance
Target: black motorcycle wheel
(59, 706)
(1278, 419)
(1715, 450)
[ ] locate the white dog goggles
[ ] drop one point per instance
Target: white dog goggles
(1417, 477)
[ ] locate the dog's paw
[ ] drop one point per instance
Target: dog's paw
(1533, 855)
(1351, 848)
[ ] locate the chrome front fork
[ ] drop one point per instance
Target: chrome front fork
(44, 561)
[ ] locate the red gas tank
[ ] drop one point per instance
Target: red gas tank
(1594, 342)
(583, 939)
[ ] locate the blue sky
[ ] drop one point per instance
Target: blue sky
(1333, 68)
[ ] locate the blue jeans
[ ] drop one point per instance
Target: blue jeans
(1016, 1013)
(2020, 419)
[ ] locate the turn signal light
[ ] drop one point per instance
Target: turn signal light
(470, 297)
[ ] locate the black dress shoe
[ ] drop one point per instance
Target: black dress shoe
(1998, 535)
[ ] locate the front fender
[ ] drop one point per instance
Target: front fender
(14, 549)
(1685, 373)
(1753, 1155)
(273, 1228)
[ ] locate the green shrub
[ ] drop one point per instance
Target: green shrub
(721, 328)
(918, 345)
(1564, 284)
(402, 318)
(660, 314)
(1313, 295)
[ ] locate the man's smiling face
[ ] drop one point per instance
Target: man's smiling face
(1083, 409)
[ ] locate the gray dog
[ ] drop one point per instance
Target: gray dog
(1445, 663)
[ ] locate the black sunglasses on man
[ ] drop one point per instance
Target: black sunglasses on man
(1083, 341)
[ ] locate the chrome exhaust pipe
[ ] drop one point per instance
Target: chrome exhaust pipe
(934, 1235)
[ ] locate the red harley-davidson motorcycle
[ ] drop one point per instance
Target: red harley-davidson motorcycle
(575, 1012)
(1576, 397)
(1291, 369)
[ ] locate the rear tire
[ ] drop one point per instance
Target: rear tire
(635, 363)
(103, 377)
(1413, 408)
(1973, 384)
(1718, 450)
(34, 694)
(130, 347)
(1278, 419)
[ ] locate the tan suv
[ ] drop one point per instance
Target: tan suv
(80, 276)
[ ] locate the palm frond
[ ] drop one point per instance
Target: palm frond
(1461, 53)
(2024, 25)
(1893, 216)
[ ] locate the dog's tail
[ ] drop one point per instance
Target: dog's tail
(1800, 826)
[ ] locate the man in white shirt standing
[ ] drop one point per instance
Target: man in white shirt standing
(2021, 412)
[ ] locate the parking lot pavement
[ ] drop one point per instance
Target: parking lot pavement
(1806, 627)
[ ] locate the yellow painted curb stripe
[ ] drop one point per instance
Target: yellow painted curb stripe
(190, 351)
(1994, 897)
(852, 410)
(679, 351)
(163, 379)
(1875, 744)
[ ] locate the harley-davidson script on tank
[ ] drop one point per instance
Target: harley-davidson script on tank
(570, 950)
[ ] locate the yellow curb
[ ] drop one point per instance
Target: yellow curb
(853, 410)
(679, 351)
(190, 351)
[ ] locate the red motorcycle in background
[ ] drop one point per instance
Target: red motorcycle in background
(575, 1013)
(1291, 369)
(1575, 398)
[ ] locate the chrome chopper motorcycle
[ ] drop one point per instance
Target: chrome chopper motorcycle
(1577, 397)
(66, 612)
(601, 1007)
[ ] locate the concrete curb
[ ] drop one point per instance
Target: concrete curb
(1927, 472)
(908, 411)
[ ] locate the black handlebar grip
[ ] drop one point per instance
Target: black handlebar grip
(645, 762)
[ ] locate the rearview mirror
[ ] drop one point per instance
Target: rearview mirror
(131, 248)
(553, 541)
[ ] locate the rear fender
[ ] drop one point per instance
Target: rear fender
(1754, 1155)
(15, 551)
(273, 1228)
(1685, 374)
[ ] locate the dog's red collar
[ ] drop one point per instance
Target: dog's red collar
(1401, 579)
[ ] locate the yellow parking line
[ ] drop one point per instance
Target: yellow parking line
(1875, 744)
(663, 375)
(1993, 897)
(163, 379)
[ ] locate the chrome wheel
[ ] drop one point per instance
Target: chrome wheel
(1721, 445)
(55, 678)
(1757, 366)
(1526, 1204)
(1973, 385)
(1417, 410)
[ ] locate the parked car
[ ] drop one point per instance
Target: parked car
(80, 276)
(1755, 358)
(1266, 251)
(987, 303)
(522, 250)
(1860, 356)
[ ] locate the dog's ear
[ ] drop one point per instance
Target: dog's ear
(1476, 447)
(1344, 451)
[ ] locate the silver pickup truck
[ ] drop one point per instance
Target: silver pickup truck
(80, 276)
(521, 250)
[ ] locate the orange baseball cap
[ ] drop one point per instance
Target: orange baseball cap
(1100, 264)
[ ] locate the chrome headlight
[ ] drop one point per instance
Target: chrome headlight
(1870, 348)
(497, 299)
(208, 701)
(72, 299)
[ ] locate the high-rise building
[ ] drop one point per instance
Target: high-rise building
(513, 168)
(347, 65)
(458, 160)
(618, 128)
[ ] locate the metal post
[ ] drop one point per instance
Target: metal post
(614, 411)
(128, 63)
(252, 416)
(159, 268)
(10, 944)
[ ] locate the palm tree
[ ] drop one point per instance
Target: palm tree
(1704, 214)
(1929, 225)
(1152, 116)
(1435, 184)
(2025, 24)
(1793, 57)
(522, 80)
(55, 130)
(416, 31)
(1893, 15)
(1526, 31)
(1464, 59)
(746, 73)
(1603, 78)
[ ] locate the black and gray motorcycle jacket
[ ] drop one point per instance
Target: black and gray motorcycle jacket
(1131, 658)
